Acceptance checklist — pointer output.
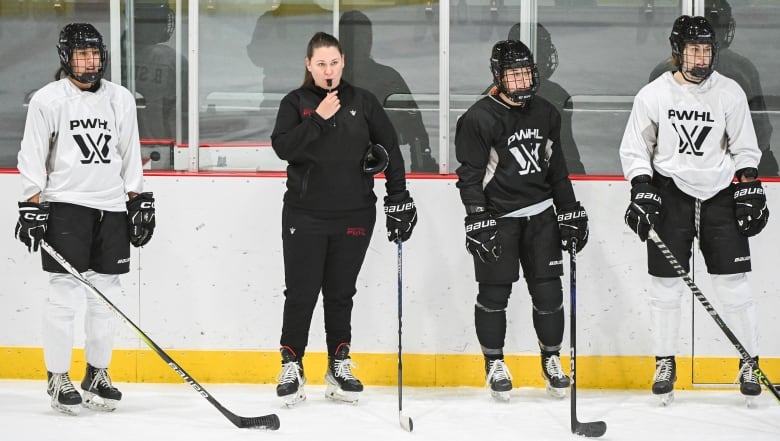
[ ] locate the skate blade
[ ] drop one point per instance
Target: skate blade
(500, 396)
(293, 399)
(98, 403)
(72, 409)
(335, 393)
(750, 402)
(666, 399)
(558, 393)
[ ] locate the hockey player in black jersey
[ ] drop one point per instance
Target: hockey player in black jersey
(520, 211)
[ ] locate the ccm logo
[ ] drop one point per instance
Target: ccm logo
(36, 217)
(147, 205)
(481, 224)
(570, 216)
(747, 191)
(650, 196)
(399, 208)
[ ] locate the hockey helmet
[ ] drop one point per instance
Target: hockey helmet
(546, 52)
(375, 159)
(154, 22)
(81, 36)
(718, 13)
(512, 54)
(693, 30)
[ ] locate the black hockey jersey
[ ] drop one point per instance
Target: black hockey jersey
(324, 171)
(510, 157)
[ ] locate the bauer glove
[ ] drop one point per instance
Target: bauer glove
(644, 211)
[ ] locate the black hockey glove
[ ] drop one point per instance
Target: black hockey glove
(644, 211)
(482, 238)
(401, 216)
(750, 207)
(140, 218)
(31, 226)
(573, 224)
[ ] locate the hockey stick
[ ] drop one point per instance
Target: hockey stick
(711, 310)
(270, 421)
(406, 422)
(592, 429)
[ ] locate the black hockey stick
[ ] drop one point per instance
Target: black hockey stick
(711, 311)
(406, 422)
(592, 429)
(270, 422)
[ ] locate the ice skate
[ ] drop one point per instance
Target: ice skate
(64, 397)
(556, 381)
(291, 379)
(748, 381)
(498, 379)
(341, 384)
(99, 393)
(664, 378)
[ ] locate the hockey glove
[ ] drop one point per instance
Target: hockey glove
(401, 216)
(140, 218)
(482, 238)
(644, 211)
(31, 226)
(750, 207)
(573, 224)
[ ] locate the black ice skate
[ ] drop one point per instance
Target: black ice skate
(555, 380)
(664, 378)
(99, 393)
(64, 397)
(341, 384)
(498, 379)
(291, 379)
(748, 381)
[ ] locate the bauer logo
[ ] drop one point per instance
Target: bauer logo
(748, 191)
(555, 263)
(480, 225)
(572, 215)
(648, 196)
(742, 259)
(399, 208)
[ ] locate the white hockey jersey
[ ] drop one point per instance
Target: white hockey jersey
(81, 147)
(698, 135)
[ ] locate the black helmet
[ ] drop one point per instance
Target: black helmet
(718, 13)
(375, 159)
(546, 52)
(696, 30)
(511, 54)
(81, 36)
(154, 22)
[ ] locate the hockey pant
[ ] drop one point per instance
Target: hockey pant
(66, 295)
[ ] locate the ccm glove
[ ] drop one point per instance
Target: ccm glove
(750, 207)
(401, 216)
(644, 211)
(482, 239)
(31, 226)
(573, 224)
(140, 218)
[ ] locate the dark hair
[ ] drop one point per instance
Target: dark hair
(320, 39)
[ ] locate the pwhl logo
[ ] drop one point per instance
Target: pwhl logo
(526, 153)
(691, 138)
(94, 149)
(356, 231)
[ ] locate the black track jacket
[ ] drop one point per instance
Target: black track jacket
(324, 156)
(511, 158)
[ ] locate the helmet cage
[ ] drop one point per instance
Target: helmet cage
(81, 36)
(375, 159)
(546, 53)
(693, 30)
(513, 54)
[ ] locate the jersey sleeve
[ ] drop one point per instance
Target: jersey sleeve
(292, 133)
(472, 149)
(639, 140)
(742, 142)
(34, 151)
(558, 174)
(129, 144)
(381, 131)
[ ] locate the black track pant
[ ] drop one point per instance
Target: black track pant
(322, 251)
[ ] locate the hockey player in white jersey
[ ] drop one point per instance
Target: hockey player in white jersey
(688, 136)
(80, 166)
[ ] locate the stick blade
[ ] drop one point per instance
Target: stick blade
(406, 423)
(266, 422)
(593, 429)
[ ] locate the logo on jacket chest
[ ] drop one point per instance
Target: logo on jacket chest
(691, 135)
(524, 145)
(93, 141)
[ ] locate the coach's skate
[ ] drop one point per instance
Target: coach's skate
(341, 383)
(99, 393)
(664, 378)
(748, 381)
(498, 379)
(291, 379)
(556, 381)
(64, 397)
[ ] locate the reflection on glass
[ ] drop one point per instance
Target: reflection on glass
(741, 70)
(362, 70)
